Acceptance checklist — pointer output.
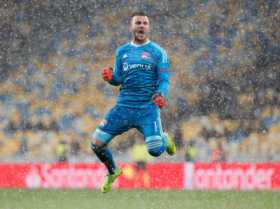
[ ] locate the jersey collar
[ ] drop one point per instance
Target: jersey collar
(138, 45)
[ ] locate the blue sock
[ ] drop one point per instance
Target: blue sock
(105, 156)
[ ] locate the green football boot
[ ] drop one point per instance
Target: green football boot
(109, 180)
(170, 148)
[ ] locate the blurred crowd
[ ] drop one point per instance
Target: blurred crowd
(224, 102)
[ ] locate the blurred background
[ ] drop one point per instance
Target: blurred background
(224, 102)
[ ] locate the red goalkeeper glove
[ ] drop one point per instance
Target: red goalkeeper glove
(107, 74)
(158, 100)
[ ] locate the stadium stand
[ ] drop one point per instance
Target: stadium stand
(224, 88)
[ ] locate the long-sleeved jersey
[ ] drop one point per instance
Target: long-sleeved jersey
(141, 71)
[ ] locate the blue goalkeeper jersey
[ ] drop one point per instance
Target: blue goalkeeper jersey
(141, 71)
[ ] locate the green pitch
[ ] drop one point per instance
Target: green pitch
(136, 199)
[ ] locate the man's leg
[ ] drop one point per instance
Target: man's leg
(156, 140)
(112, 126)
(104, 154)
(156, 145)
(151, 128)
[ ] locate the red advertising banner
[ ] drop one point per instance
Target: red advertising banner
(232, 176)
(155, 176)
(58, 175)
(197, 176)
(90, 175)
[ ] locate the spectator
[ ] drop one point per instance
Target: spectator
(191, 152)
(61, 151)
(218, 153)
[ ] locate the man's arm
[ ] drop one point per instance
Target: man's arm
(117, 77)
(163, 74)
(161, 93)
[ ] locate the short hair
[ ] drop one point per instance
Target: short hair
(139, 13)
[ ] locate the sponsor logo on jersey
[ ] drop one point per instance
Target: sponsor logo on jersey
(127, 66)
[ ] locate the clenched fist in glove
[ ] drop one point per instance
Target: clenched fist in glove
(158, 100)
(107, 73)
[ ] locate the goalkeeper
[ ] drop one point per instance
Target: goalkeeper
(141, 70)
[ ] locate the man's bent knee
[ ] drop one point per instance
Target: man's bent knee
(100, 138)
(155, 145)
(96, 145)
(155, 153)
(97, 142)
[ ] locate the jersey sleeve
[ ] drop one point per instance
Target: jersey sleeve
(117, 77)
(163, 73)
